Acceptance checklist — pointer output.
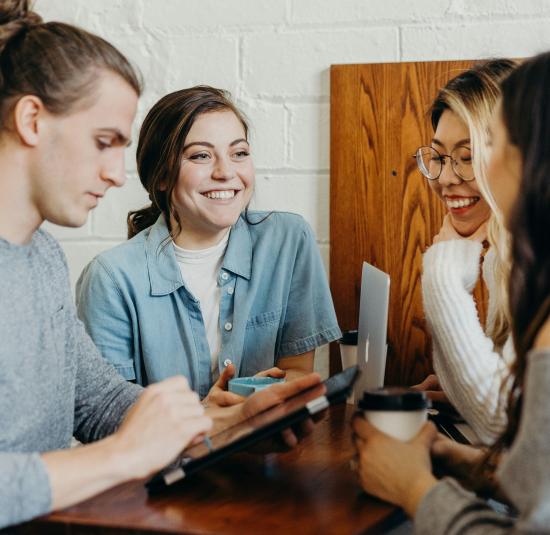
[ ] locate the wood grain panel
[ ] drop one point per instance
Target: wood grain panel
(382, 209)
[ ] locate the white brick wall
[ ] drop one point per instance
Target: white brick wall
(274, 56)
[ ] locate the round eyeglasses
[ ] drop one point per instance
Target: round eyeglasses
(431, 162)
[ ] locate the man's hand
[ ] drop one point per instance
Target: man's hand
(163, 421)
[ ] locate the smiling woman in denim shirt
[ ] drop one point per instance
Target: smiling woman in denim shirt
(204, 287)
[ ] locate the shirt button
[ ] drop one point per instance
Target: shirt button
(230, 290)
(225, 276)
(228, 326)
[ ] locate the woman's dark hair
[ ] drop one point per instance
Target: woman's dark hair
(160, 147)
(526, 116)
(57, 62)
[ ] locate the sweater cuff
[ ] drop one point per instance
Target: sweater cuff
(441, 506)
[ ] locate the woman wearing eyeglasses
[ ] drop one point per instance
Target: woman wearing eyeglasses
(517, 465)
(470, 361)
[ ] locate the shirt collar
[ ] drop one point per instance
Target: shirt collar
(238, 256)
(164, 272)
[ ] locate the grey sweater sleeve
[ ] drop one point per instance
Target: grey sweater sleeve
(24, 488)
(54, 382)
(102, 399)
(102, 395)
(524, 475)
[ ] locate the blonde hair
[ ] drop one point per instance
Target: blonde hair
(472, 96)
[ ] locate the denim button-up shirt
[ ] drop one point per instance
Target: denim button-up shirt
(275, 302)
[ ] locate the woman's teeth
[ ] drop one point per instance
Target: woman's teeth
(223, 194)
(461, 203)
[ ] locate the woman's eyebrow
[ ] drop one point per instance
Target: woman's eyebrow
(209, 145)
(203, 143)
(465, 141)
(237, 141)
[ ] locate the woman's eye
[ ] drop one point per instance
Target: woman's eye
(199, 156)
(242, 154)
(103, 143)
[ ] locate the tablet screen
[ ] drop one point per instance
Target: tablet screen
(267, 423)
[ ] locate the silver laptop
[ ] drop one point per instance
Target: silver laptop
(373, 324)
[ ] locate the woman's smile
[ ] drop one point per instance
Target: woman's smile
(221, 194)
(460, 205)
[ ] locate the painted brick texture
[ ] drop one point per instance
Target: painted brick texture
(274, 56)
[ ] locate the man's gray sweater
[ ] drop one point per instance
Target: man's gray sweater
(53, 381)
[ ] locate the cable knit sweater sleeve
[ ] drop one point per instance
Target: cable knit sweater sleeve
(469, 369)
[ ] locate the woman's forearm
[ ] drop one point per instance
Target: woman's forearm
(297, 365)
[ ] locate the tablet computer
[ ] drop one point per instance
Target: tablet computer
(248, 432)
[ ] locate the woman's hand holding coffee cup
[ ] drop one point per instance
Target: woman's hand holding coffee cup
(395, 471)
(393, 442)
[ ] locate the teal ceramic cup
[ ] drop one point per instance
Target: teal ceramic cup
(244, 386)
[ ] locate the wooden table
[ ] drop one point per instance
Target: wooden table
(309, 490)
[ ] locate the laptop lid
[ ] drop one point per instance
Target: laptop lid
(373, 324)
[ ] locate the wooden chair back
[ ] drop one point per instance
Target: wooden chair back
(381, 208)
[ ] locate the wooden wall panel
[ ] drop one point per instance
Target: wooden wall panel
(382, 209)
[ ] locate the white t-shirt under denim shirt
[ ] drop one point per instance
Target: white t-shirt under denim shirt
(199, 270)
(275, 302)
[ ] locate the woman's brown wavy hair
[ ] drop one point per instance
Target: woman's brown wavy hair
(526, 116)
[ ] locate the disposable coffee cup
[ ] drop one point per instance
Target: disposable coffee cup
(398, 412)
(348, 349)
(348, 353)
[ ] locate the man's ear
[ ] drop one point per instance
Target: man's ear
(26, 114)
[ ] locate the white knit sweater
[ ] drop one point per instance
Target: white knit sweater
(469, 369)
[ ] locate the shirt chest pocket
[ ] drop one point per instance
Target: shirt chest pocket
(260, 342)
